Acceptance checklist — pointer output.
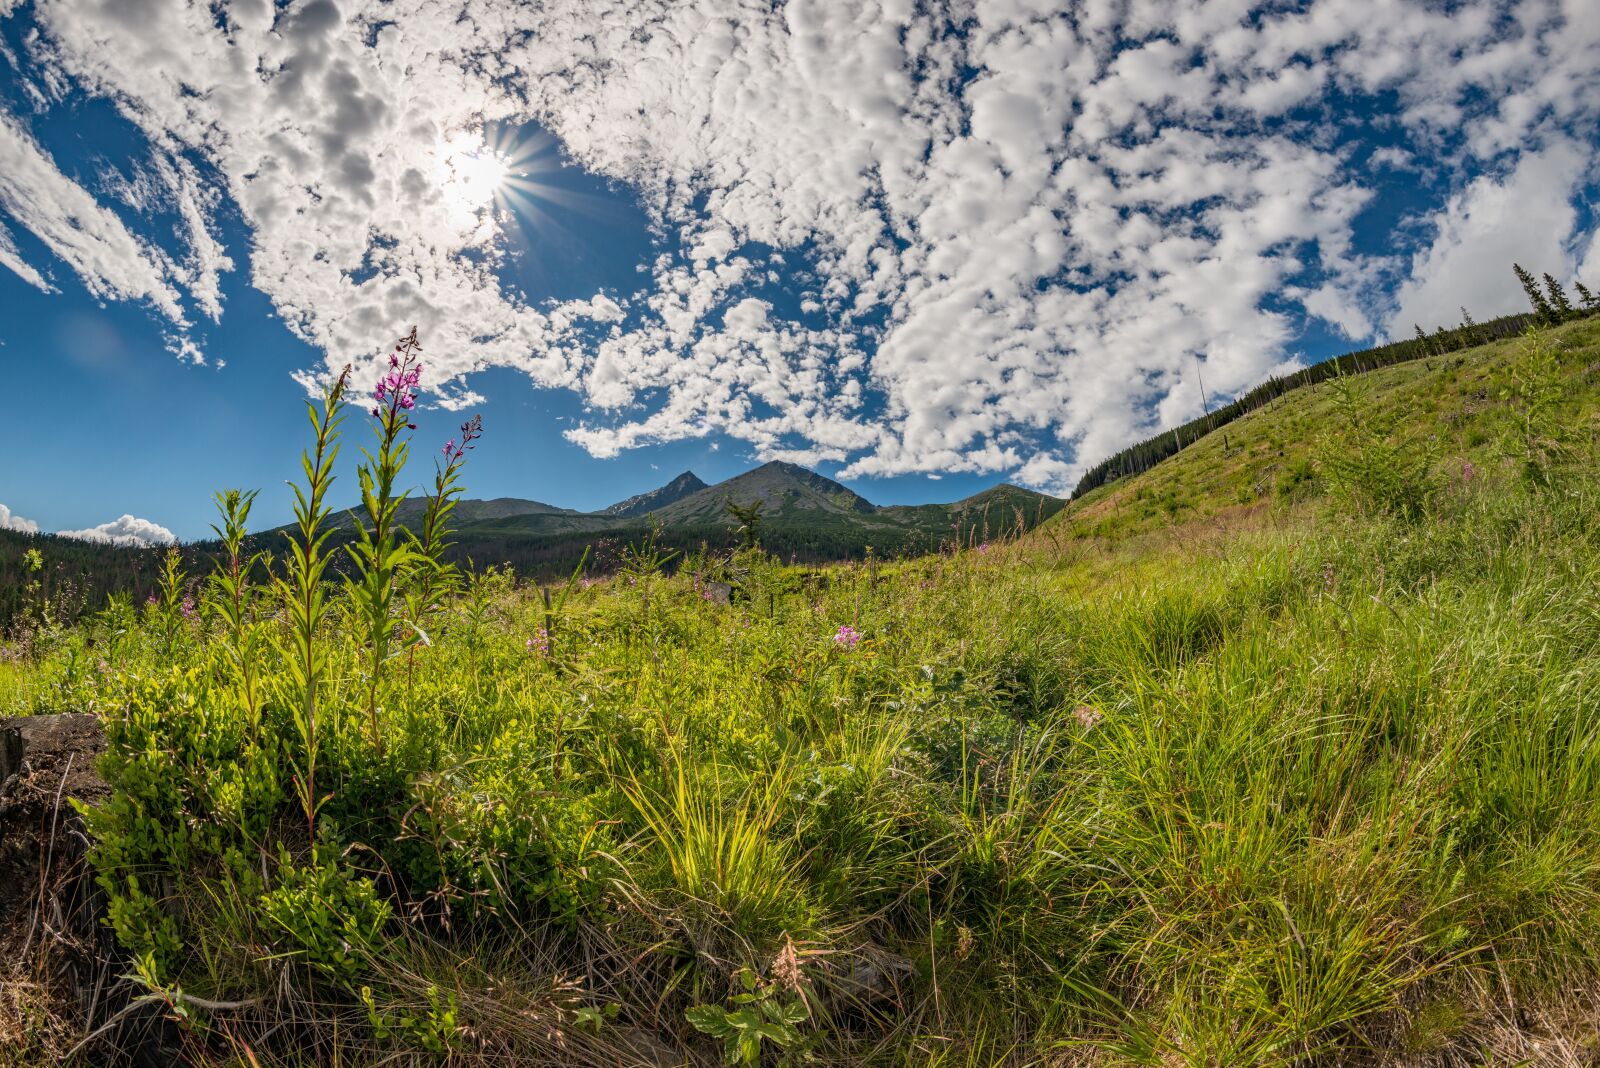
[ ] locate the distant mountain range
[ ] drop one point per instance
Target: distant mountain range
(803, 514)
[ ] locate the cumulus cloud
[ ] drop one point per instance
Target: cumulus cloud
(9, 520)
(129, 532)
(1524, 217)
(1020, 232)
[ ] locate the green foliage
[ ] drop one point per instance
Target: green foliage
(231, 598)
(1146, 454)
(1559, 303)
(1307, 788)
(760, 1015)
(303, 594)
(1543, 311)
(190, 784)
(1374, 459)
(327, 916)
(747, 520)
(1538, 440)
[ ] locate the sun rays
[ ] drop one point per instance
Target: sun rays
(501, 177)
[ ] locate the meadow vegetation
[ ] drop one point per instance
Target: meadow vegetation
(1283, 752)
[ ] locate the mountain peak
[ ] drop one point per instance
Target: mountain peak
(643, 503)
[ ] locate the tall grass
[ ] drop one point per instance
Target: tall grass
(1321, 790)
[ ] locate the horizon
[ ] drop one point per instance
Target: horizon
(979, 251)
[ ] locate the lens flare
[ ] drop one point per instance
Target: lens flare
(471, 174)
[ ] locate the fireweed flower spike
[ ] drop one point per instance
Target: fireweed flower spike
(847, 636)
(471, 431)
(383, 553)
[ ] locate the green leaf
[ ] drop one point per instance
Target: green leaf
(711, 1019)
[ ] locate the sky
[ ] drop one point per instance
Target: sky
(921, 247)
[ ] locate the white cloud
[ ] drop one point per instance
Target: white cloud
(9, 520)
(1521, 217)
(1016, 240)
(129, 532)
(12, 260)
(89, 238)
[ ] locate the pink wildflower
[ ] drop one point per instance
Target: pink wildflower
(396, 391)
(471, 431)
(540, 641)
(847, 636)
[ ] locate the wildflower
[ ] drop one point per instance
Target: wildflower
(151, 601)
(540, 641)
(983, 547)
(471, 431)
(395, 392)
(1087, 716)
(186, 606)
(1327, 578)
(847, 636)
(1467, 471)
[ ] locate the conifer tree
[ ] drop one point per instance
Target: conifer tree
(1558, 298)
(1469, 329)
(1591, 303)
(1422, 338)
(1541, 307)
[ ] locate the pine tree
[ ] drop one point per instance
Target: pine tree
(1558, 298)
(1469, 329)
(1422, 338)
(1591, 303)
(1541, 307)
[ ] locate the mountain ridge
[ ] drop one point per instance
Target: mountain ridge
(644, 503)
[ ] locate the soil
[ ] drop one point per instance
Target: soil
(61, 998)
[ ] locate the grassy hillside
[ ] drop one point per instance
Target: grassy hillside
(1462, 402)
(1226, 766)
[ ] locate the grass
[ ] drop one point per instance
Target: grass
(1289, 782)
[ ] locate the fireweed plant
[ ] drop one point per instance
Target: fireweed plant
(381, 551)
(434, 579)
(302, 590)
(1306, 783)
(231, 598)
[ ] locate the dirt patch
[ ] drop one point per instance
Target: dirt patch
(61, 998)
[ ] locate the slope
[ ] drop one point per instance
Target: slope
(1463, 403)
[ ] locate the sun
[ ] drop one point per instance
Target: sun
(471, 174)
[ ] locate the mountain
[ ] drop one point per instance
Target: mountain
(411, 511)
(804, 516)
(786, 491)
(645, 503)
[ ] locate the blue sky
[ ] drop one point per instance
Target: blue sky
(922, 250)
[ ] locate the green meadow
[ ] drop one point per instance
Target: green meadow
(1284, 752)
